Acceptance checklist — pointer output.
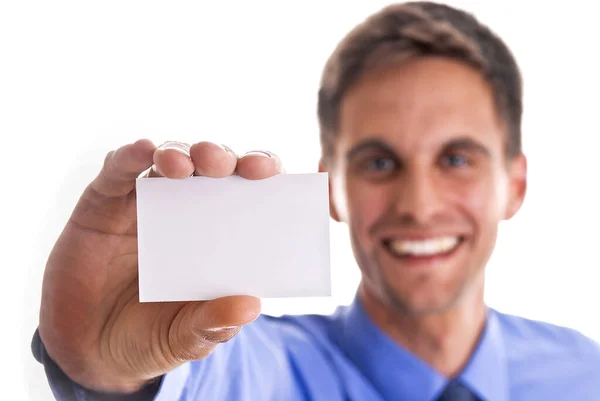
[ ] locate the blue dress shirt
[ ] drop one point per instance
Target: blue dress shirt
(345, 357)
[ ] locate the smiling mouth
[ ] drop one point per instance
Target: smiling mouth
(423, 248)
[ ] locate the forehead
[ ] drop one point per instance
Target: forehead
(420, 104)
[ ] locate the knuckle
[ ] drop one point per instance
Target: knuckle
(184, 353)
(181, 349)
(109, 157)
(199, 345)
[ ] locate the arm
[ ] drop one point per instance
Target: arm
(252, 366)
(64, 389)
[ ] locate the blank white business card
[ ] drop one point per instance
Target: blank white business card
(203, 238)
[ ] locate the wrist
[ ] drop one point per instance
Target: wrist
(90, 378)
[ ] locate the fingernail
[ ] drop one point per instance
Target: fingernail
(216, 329)
(178, 146)
(154, 171)
(228, 149)
(258, 153)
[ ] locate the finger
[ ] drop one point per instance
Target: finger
(212, 160)
(122, 167)
(200, 326)
(226, 312)
(257, 165)
(172, 160)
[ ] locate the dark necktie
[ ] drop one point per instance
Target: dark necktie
(456, 391)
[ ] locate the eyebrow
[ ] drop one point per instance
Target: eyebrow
(461, 143)
(369, 144)
(467, 144)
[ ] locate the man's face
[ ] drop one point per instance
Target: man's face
(421, 177)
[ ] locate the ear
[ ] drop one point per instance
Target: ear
(517, 170)
(332, 209)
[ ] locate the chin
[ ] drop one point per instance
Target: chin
(420, 292)
(420, 303)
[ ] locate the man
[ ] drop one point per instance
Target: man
(420, 115)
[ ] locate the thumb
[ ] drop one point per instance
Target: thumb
(200, 326)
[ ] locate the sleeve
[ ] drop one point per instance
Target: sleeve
(167, 387)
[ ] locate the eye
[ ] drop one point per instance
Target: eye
(456, 160)
(381, 164)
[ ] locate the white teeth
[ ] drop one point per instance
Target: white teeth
(428, 247)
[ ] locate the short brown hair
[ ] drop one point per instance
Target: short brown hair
(419, 28)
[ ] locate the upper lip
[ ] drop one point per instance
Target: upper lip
(416, 236)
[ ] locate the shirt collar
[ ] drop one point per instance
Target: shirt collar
(396, 373)
(487, 371)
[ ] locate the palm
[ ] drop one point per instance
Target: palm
(92, 283)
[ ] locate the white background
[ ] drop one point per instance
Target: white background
(78, 78)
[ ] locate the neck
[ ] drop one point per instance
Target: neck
(445, 340)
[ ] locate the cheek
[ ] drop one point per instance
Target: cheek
(482, 199)
(366, 204)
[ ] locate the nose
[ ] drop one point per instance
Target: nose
(418, 196)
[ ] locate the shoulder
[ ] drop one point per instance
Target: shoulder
(528, 336)
(550, 357)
